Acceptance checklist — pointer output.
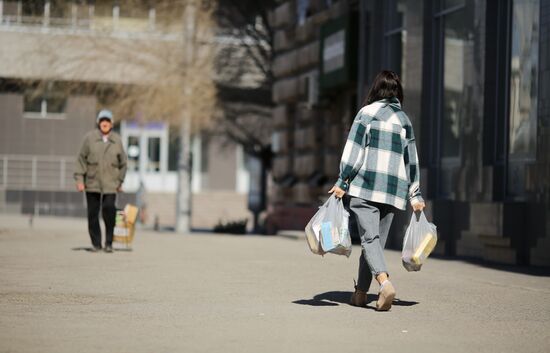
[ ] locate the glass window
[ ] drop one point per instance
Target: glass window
(134, 152)
(302, 9)
(153, 154)
(173, 150)
(46, 100)
(523, 78)
(60, 9)
(395, 37)
(458, 75)
(449, 4)
(33, 8)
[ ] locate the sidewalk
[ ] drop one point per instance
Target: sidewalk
(223, 293)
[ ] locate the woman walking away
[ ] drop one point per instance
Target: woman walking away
(379, 171)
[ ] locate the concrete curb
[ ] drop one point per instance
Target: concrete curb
(291, 234)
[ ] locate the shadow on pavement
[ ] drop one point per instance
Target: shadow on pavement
(326, 299)
(83, 248)
(335, 298)
(89, 249)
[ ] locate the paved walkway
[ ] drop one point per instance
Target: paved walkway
(222, 293)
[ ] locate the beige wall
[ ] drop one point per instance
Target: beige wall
(60, 137)
(79, 57)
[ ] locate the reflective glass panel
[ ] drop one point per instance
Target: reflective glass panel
(395, 38)
(457, 79)
(447, 4)
(153, 154)
(524, 78)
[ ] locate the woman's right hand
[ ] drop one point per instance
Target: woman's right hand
(338, 192)
(419, 206)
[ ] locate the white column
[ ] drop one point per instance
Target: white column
(74, 14)
(116, 14)
(19, 11)
(152, 19)
(143, 151)
(46, 21)
(196, 178)
(243, 177)
(163, 168)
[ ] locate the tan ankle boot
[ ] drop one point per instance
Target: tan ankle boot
(359, 297)
(385, 297)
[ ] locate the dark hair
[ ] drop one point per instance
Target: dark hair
(386, 85)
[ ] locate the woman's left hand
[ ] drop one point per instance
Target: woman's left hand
(338, 192)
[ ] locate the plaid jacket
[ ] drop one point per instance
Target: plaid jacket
(380, 162)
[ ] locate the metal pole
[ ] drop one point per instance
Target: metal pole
(1, 11)
(183, 215)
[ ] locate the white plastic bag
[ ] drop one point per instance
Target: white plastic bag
(328, 231)
(313, 231)
(420, 239)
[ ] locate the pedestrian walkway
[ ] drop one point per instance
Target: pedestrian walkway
(222, 293)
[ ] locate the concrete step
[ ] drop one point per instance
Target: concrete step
(207, 208)
(496, 241)
(212, 207)
(540, 255)
(486, 218)
(500, 255)
(469, 244)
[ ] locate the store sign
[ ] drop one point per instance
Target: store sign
(338, 53)
(334, 52)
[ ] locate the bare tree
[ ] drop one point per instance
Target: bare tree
(166, 74)
(244, 82)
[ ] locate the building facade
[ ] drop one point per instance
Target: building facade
(47, 46)
(475, 76)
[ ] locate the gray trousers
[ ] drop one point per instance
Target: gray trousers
(373, 223)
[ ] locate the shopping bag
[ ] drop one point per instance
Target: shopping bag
(313, 230)
(328, 231)
(420, 240)
(125, 225)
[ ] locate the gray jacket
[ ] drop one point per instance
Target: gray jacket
(101, 166)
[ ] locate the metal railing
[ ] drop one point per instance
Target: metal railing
(78, 17)
(32, 172)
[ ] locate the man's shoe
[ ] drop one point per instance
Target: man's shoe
(359, 297)
(385, 297)
(109, 249)
(95, 249)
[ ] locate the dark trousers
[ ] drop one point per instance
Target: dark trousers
(106, 202)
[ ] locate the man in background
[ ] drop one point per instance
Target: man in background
(100, 172)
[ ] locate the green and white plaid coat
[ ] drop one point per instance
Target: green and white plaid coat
(380, 162)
